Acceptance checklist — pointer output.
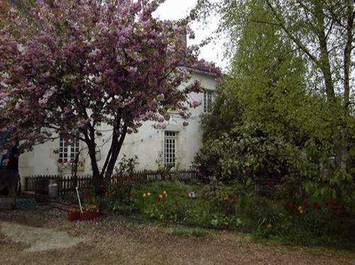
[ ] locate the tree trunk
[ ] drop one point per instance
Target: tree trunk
(103, 176)
(117, 141)
(337, 121)
(347, 51)
(97, 180)
(346, 68)
(324, 62)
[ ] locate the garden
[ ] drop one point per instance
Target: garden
(277, 156)
(260, 210)
(233, 208)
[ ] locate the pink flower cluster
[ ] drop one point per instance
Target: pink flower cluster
(90, 63)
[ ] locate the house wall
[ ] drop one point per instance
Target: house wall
(147, 144)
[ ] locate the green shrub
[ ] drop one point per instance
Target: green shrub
(120, 191)
(249, 151)
(259, 212)
(119, 194)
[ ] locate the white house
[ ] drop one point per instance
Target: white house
(175, 145)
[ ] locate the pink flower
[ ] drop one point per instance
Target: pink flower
(78, 80)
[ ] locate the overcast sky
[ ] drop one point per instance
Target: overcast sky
(177, 9)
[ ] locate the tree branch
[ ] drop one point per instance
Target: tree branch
(291, 36)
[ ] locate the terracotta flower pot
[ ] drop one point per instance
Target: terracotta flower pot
(89, 215)
(73, 215)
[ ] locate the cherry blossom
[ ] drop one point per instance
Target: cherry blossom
(71, 66)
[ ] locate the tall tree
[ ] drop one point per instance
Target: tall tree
(74, 65)
(323, 32)
(264, 119)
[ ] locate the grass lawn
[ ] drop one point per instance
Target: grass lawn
(116, 240)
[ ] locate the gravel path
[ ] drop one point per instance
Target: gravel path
(37, 238)
(115, 241)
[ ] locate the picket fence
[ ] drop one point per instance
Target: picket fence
(39, 183)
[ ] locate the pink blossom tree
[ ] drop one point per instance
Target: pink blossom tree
(70, 66)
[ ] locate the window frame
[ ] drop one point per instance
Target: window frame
(207, 100)
(170, 148)
(68, 149)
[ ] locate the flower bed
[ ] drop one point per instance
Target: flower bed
(234, 208)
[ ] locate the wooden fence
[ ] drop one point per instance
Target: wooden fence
(67, 184)
(148, 176)
(39, 184)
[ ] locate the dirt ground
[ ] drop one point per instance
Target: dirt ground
(113, 240)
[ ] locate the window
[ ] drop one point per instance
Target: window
(68, 149)
(170, 148)
(207, 100)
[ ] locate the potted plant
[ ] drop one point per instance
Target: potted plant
(73, 214)
(90, 212)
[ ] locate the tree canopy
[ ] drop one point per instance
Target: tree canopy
(269, 118)
(68, 67)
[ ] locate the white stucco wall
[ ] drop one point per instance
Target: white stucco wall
(147, 144)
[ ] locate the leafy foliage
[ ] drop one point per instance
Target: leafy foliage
(267, 122)
(70, 66)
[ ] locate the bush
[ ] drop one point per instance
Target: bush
(119, 194)
(249, 152)
(305, 223)
(221, 198)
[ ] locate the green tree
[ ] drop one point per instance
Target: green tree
(266, 121)
(322, 32)
(265, 89)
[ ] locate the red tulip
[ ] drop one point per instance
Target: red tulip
(291, 206)
(270, 184)
(317, 205)
(234, 197)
